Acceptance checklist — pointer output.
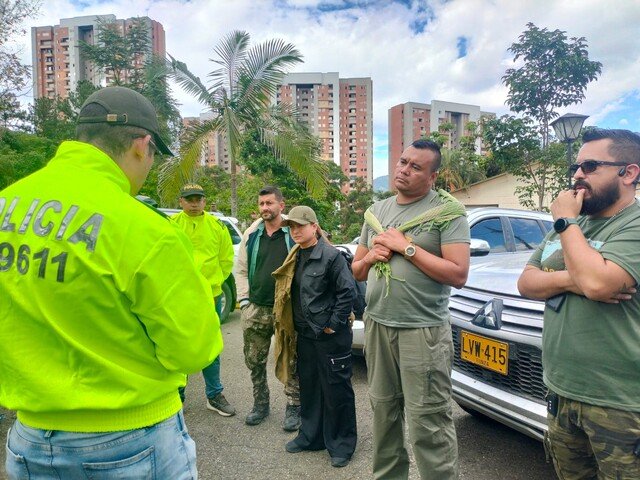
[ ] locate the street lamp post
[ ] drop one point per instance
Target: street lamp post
(567, 128)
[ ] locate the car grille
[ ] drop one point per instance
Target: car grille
(525, 370)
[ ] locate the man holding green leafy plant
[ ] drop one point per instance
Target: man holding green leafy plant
(418, 245)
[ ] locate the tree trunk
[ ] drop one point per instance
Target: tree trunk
(234, 179)
(542, 190)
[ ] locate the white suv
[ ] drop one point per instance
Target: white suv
(497, 334)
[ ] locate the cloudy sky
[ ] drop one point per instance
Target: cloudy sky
(451, 50)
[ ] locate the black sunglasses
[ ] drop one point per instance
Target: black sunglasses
(590, 166)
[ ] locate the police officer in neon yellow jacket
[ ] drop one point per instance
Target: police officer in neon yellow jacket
(212, 246)
(213, 252)
(102, 308)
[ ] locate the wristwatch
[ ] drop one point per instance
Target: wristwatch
(409, 250)
(561, 224)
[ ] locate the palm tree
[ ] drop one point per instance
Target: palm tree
(240, 99)
(449, 176)
(457, 170)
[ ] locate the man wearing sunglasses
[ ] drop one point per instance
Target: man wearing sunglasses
(587, 271)
(102, 309)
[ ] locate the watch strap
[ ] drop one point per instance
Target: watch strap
(563, 223)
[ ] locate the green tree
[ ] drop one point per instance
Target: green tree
(512, 141)
(516, 148)
(459, 168)
(217, 187)
(240, 99)
(450, 177)
(50, 120)
(128, 58)
(119, 53)
(381, 195)
(442, 136)
(262, 164)
(22, 154)
(77, 97)
(359, 198)
(56, 118)
(554, 73)
(472, 132)
(14, 75)
(154, 86)
(543, 179)
(464, 159)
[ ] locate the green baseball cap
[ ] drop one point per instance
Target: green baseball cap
(191, 189)
(125, 107)
(302, 215)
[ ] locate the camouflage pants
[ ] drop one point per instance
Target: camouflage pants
(590, 442)
(257, 329)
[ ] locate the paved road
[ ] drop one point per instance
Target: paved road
(228, 449)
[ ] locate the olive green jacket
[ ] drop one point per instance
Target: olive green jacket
(285, 333)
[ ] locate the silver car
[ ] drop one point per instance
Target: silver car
(497, 334)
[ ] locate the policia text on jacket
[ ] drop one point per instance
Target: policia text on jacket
(44, 218)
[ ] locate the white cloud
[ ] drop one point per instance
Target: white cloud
(376, 39)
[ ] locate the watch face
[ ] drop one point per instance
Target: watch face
(410, 251)
(560, 225)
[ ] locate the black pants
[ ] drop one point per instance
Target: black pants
(328, 409)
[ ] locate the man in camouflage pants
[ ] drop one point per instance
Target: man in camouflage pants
(265, 245)
(587, 271)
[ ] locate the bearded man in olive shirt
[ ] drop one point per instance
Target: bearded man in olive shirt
(265, 245)
(587, 270)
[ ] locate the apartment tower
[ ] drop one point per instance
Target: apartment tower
(410, 121)
(340, 112)
(58, 64)
(214, 152)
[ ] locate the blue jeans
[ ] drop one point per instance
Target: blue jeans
(212, 384)
(211, 373)
(162, 451)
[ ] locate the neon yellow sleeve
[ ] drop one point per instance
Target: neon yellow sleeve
(226, 254)
(162, 304)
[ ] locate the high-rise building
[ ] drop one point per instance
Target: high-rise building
(410, 121)
(340, 112)
(214, 152)
(58, 63)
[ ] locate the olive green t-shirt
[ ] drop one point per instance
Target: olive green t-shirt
(418, 301)
(591, 350)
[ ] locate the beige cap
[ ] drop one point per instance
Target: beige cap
(302, 215)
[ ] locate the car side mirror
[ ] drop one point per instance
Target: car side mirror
(479, 248)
